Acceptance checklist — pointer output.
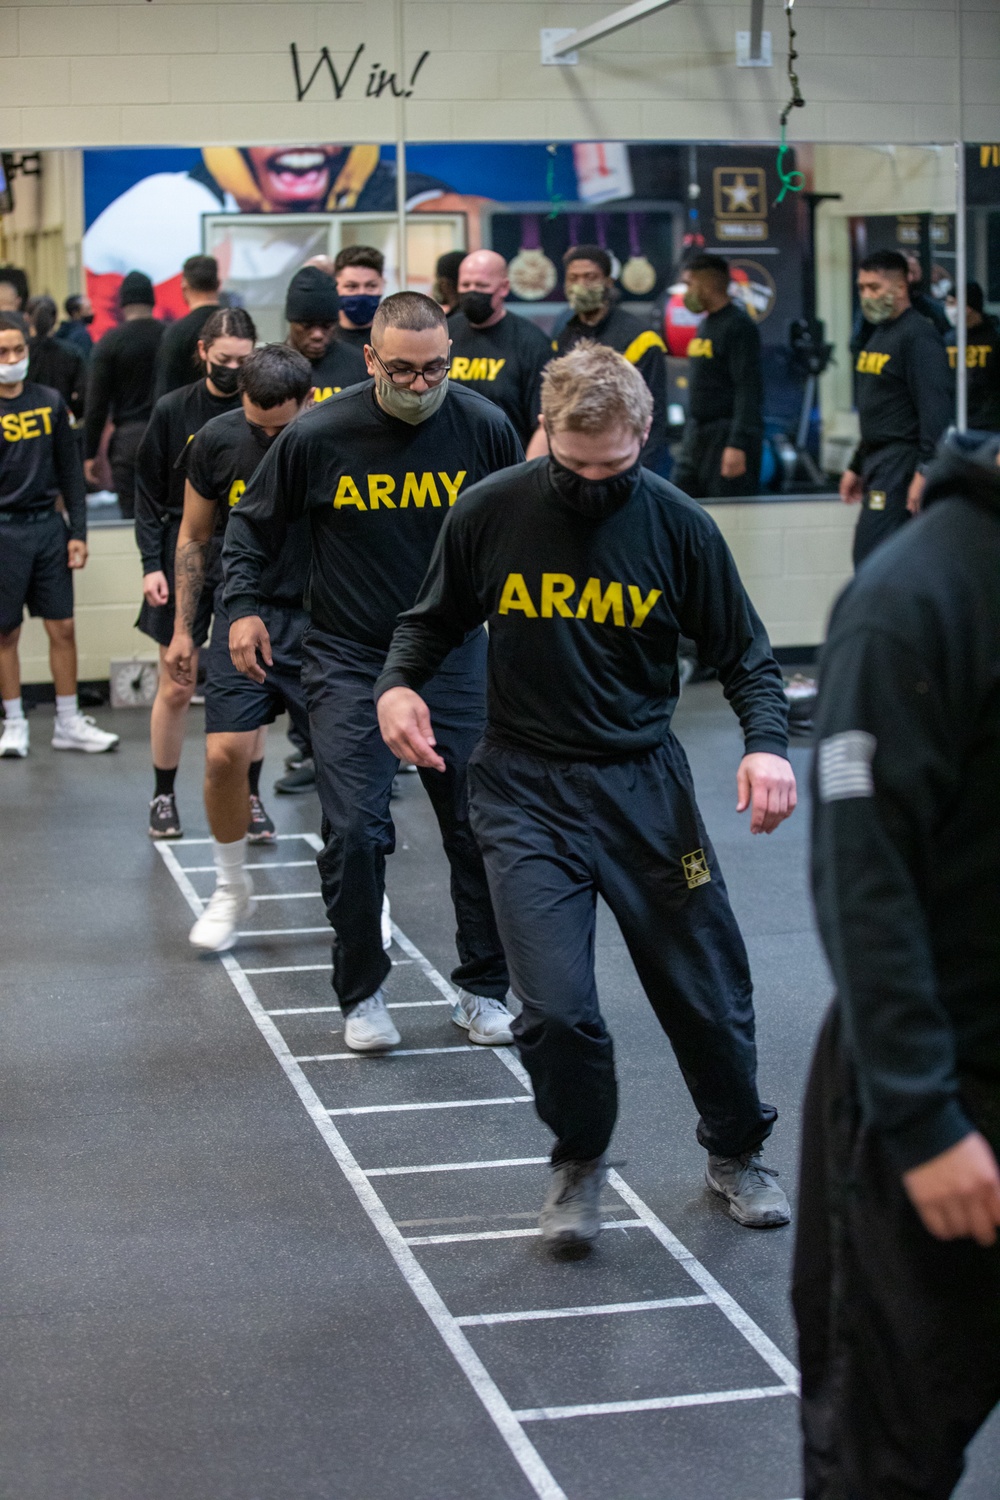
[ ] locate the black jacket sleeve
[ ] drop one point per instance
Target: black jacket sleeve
(99, 386)
(652, 366)
(748, 380)
(258, 523)
(716, 612)
(152, 485)
(69, 472)
(447, 609)
(932, 387)
(886, 768)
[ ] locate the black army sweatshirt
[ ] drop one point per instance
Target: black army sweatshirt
(177, 360)
(341, 366)
(39, 458)
(642, 347)
(903, 391)
(906, 819)
(504, 363)
(376, 491)
(219, 462)
(159, 472)
(585, 616)
(726, 381)
(982, 363)
(120, 378)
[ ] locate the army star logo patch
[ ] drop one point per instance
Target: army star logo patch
(696, 871)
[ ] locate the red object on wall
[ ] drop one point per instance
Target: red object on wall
(102, 289)
(679, 325)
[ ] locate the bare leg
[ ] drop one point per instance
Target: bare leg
(10, 667)
(62, 655)
(259, 743)
(227, 788)
(169, 715)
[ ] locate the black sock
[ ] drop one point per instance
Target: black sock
(165, 781)
(255, 767)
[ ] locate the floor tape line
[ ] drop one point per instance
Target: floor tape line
(260, 864)
(392, 1109)
(458, 1166)
(598, 1310)
(507, 1234)
(521, 1448)
(653, 1403)
(322, 1057)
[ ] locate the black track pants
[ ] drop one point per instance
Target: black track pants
(354, 773)
(698, 470)
(885, 480)
(554, 836)
(899, 1333)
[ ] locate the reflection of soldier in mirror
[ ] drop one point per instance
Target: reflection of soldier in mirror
(721, 451)
(982, 359)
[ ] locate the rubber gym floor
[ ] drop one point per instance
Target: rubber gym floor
(240, 1265)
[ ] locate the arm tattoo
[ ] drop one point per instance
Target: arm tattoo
(189, 571)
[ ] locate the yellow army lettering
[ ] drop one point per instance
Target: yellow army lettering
(18, 425)
(324, 392)
(700, 349)
(976, 356)
(418, 490)
(595, 600)
(463, 368)
(871, 363)
(236, 490)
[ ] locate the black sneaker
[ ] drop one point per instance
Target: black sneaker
(261, 830)
(293, 761)
(164, 822)
(571, 1215)
(301, 779)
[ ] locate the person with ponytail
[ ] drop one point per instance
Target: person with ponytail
(52, 362)
(227, 339)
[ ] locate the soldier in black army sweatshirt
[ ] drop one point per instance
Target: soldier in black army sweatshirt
(588, 568)
(897, 1281)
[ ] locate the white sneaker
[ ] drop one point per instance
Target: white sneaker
(487, 1021)
(369, 1028)
(215, 929)
(14, 740)
(81, 733)
(386, 924)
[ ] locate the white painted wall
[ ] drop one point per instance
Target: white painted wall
(151, 71)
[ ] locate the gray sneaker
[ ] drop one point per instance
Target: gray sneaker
(755, 1199)
(571, 1215)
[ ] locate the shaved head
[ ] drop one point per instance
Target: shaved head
(483, 284)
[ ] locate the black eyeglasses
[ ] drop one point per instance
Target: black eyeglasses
(433, 374)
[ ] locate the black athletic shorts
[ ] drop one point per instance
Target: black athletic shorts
(233, 703)
(34, 570)
(157, 620)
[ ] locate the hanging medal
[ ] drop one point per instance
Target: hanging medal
(601, 221)
(639, 275)
(532, 275)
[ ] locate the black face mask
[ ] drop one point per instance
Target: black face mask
(87, 319)
(476, 307)
(264, 439)
(224, 378)
(594, 498)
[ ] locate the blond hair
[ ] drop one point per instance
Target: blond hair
(593, 388)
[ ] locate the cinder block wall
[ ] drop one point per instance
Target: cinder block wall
(137, 73)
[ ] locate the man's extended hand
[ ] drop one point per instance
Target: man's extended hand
(90, 471)
(734, 463)
(405, 722)
(851, 491)
(915, 494)
(179, 659)
(957, 1194)
(155, 588)
(765, 783)
(246, 638)
(76, 554)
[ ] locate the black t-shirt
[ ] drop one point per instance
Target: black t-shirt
(354, 337)
(376, 491)
(504, 363)
(177, 357)
(982, 363)
(642, 347)
(219, 462)
(159, 473)
(39, 458)
(120, 378)
(341, 366)
(726, 380)
(55, 363)
(585, 617)
(903, 389)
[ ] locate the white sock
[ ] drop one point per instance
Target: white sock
(229, 862)
(13, 708)
(66, 706)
